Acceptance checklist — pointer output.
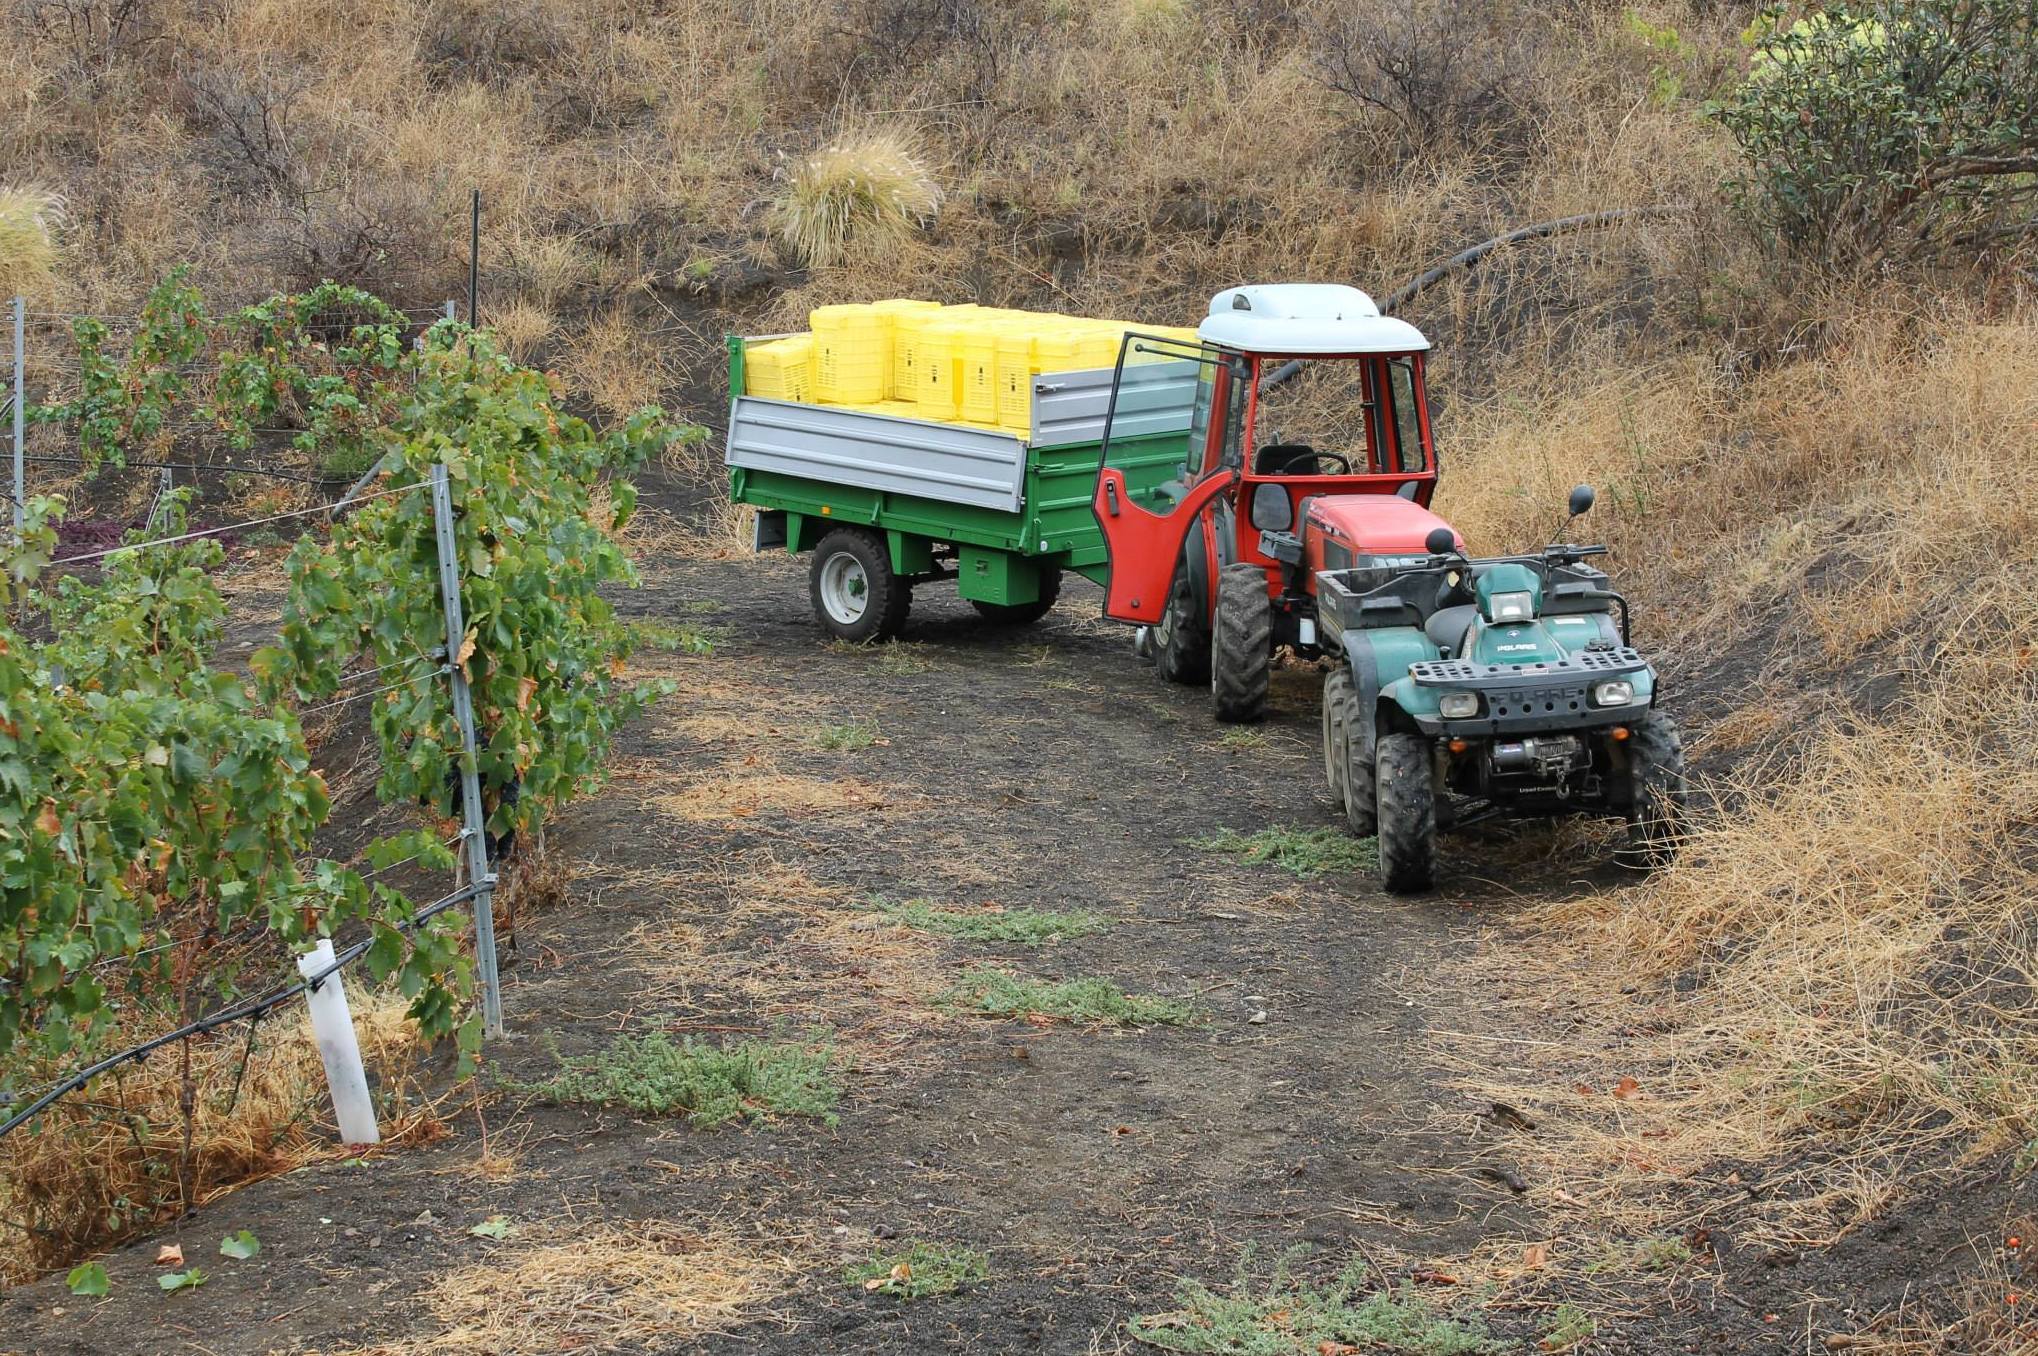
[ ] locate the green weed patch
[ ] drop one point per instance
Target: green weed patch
(1287, 1317)
(653, 1076)
(1031, 927)
(995, 993)
(1305, 853)
(920, 1270)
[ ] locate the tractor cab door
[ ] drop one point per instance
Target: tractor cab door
(1174, 407)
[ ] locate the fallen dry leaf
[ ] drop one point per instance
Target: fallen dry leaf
(1626, 1088)
(170, 1255)
(1535, 1255)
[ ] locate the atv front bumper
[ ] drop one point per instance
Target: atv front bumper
(1539, 698)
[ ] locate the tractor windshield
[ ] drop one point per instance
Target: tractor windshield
(1365, 409)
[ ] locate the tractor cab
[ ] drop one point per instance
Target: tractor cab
(1308, 446)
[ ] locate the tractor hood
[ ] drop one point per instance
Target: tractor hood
(1367, 525)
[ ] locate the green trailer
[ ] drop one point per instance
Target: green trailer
(886, 503)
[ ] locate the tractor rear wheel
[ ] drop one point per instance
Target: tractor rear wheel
(1407, 813)
(1337, 686)
(1656, 813)
(855, 594)
(1023, 614)
(1181, 642)
(1242, 643)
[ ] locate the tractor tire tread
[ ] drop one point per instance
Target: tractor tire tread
(885, 615)
(1241, 660)
(1181, 643)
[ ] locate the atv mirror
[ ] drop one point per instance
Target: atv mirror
(1441, 541)
(1582, 499)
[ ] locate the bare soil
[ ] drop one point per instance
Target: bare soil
(719, 886)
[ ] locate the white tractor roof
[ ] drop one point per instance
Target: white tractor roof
(1305, 318)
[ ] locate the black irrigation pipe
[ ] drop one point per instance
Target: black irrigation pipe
(255, 1008)
(1466, 259)
(224, 528)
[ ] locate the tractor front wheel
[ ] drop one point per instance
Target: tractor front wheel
(1407, 813)
(1656, 812)
(1023, 614)
(1181, 642)
(1242, 643)
(856, 595)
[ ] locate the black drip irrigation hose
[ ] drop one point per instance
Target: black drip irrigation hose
(254, 1008)
(218, 467)
(1465, 259)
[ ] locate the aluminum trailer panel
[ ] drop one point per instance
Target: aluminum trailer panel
(942, 462)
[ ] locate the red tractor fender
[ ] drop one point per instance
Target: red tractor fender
(1143, 547)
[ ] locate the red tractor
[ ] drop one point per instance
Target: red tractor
(1281, 478)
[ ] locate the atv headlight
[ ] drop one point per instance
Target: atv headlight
(1512, 607)
(1458, 705)
(1613, 692)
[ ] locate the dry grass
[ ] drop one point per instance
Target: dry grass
(1834, 982)
(865, 193)
(596, 1287)
(29, 218)
(104, 1164)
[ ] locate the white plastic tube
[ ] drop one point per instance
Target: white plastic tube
(333, 1027)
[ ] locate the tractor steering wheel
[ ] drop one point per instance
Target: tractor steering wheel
(1285, 466)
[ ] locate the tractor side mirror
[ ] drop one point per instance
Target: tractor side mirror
(1441, 541)
(1582, 500)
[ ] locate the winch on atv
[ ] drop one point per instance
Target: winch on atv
(1506, 685)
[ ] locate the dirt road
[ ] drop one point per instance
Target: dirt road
(723, 884)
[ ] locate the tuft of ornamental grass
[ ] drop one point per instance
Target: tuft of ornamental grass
(29, 218)
(865, 192)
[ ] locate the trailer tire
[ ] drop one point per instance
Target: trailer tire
(1023, 614)
(1656, 812)
(1181, 642)
(1406, 813)
(855, 593)
(1242, 643)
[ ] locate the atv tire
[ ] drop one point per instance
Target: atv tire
(1337, 686)
(1181, 641)
(1361, 797)
(1023, 614)
(1656, 814)
(855, 595)
(1242, 643)
(1407, 813)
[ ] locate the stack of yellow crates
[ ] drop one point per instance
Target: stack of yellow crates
(966, 364)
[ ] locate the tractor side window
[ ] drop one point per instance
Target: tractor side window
(1234, 415)
(1407, 421)
(1199, 458)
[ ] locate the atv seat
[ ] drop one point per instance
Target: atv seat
(1447, 626)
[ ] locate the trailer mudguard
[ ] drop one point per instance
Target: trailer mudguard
(1143, 547)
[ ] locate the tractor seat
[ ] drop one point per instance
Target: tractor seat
(1447, 626)
(1285, 459)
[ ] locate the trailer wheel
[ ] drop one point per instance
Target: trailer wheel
(1407, 813)
(855, 594)
(1024, 614)
(1241, 652)
(1361, 810)
(1656, 814)
(1181, 642)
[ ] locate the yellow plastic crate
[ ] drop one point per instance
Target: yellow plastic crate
(781, 369)
(852, 354)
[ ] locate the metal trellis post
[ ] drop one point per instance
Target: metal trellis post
(20, 413)
(471, 819)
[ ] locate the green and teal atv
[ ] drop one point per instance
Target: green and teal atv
(1477, 687)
